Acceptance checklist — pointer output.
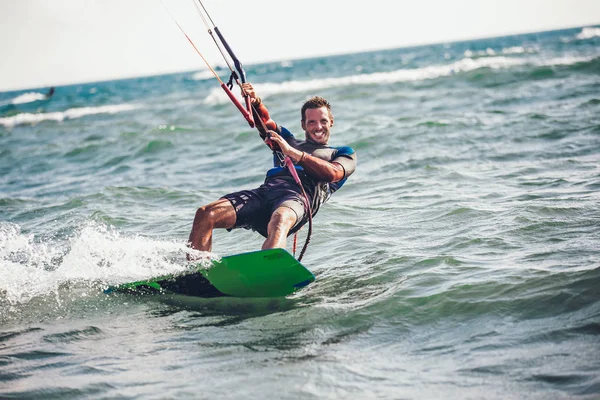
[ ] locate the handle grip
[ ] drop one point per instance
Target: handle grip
(247, 115)
(250, 118)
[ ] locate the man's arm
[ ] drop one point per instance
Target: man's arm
(324, 171)
(319, 169)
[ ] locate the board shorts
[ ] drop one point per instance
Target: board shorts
(254, 207)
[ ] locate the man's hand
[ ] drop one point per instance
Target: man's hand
(248, 89)
(283, 146)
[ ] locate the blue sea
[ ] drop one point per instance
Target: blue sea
(460, 261)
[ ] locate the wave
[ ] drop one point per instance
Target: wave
(401, 75)
(58, 116)
(25, 98)
(224, 72)
(588, 33)
(489, 52)
(467, 64)
(96, 255)
(203, 75)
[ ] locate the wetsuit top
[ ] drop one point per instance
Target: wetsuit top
(318, 191)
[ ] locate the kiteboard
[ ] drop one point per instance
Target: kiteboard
(263, 273)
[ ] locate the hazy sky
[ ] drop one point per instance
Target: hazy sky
(55, 42)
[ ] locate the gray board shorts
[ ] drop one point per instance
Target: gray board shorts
(254, 207)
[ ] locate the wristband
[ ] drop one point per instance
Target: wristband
(301, 158)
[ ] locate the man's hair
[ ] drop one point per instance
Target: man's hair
(315, 102)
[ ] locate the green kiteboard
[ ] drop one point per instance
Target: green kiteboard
(264, 273)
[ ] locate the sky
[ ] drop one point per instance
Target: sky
(56, 42)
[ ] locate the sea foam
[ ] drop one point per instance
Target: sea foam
(402, 75)
(95, 254)
(467, 64)
(588, 33)
(28, 98)
(71, 113)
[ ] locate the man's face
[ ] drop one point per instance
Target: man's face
(317, 125)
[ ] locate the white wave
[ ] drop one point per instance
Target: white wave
(489, 52)
(97, 254)
(71, 113)
(481, 53)
(565, 60)
(28, 98)
(558, 61)
(216, 96)
(588, 33)
(24, 98)
(203, 75)
(519, 50)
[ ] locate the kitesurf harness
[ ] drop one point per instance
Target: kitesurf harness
(249, 111)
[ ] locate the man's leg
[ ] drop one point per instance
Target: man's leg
(282, 220)
(219, 214)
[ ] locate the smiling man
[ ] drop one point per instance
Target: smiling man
(278, 208)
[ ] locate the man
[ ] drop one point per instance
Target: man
(278, 207)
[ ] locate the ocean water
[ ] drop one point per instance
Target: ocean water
(461, 260)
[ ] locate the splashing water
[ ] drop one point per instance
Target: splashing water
(97, 255)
